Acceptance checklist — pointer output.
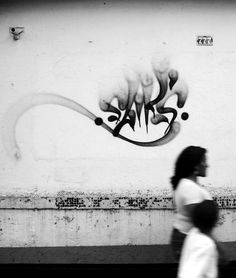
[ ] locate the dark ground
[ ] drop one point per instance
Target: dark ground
(127, 261)
(105, 270)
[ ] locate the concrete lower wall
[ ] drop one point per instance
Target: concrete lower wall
(95, 229)
(28, 228)
(31, 228)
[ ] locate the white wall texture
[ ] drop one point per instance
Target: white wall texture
(82, 49)
(62, 148)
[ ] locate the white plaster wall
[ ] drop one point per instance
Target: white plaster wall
(78, 50)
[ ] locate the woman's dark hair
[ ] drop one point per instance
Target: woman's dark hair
(205, 215)
(186, 162)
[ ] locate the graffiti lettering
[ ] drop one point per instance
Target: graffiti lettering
(169, 85)
(167, 79)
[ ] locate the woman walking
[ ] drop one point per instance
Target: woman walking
(187, 192)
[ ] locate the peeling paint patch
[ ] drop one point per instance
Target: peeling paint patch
(226, 202)
(70, 200)
(114, 203)
(131, 202)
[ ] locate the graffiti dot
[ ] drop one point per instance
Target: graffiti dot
(115, 133)
(184, 116)
(98, 121)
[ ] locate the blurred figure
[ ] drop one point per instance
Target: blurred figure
(199, 256)
(187, 192)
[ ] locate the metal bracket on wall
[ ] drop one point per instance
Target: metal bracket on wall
(16, 32)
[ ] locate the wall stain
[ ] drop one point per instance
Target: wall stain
(221, 220)
(68, 219)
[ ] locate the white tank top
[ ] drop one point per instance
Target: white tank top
(186, 193)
